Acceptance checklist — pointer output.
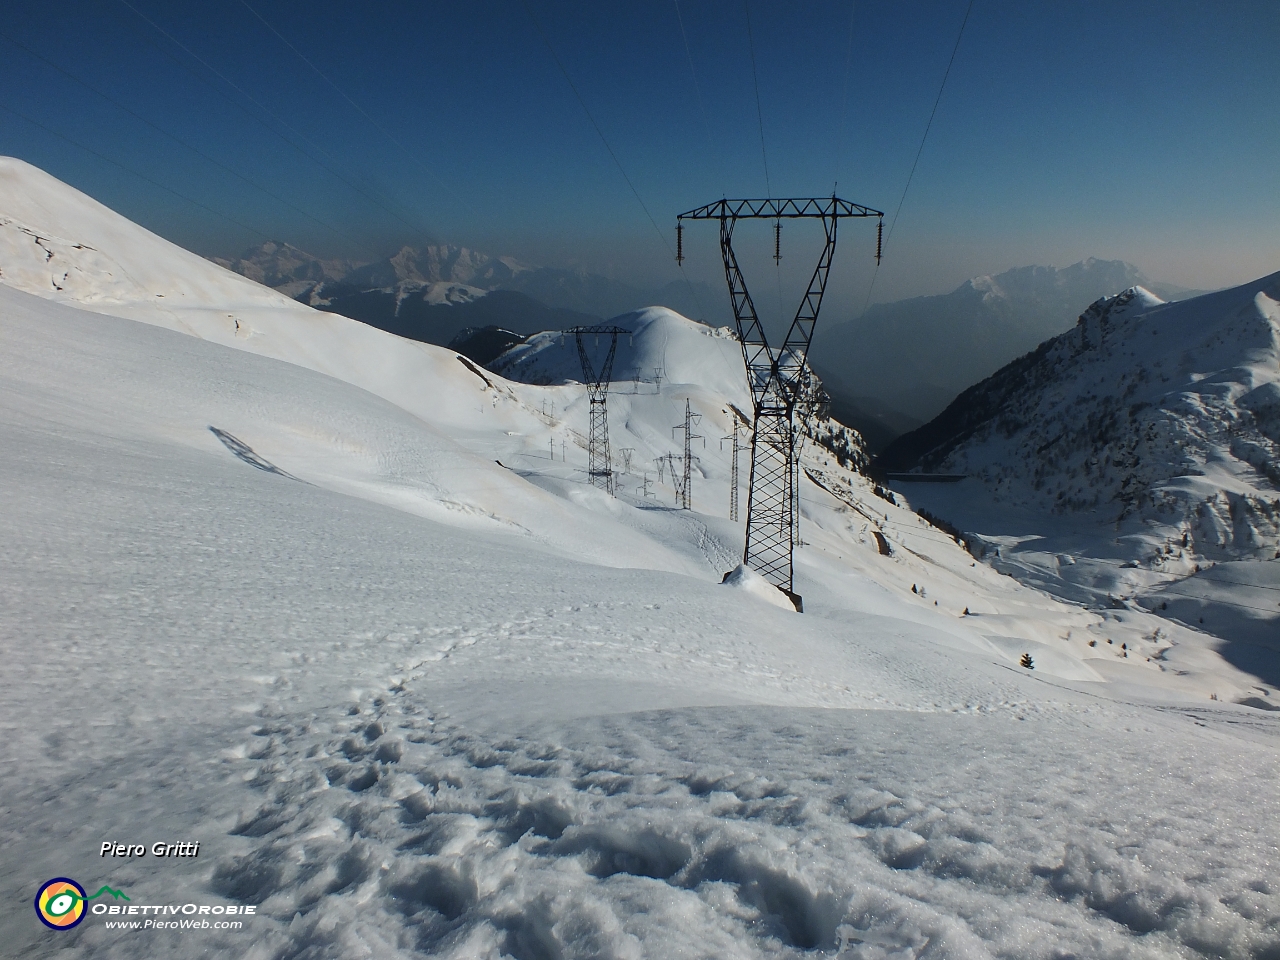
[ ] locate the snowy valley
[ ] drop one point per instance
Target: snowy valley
(1132, 459)
(342, 607)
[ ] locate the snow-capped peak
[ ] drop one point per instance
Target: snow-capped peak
(1157, 415)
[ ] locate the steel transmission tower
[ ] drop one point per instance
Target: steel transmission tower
(668, 462)
(775, 376)
(599, 459)
(691, 420)
(733, 476)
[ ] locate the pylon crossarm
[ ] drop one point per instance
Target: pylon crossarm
(779, 208)
(597, 382)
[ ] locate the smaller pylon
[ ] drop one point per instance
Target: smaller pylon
(599, 459)
(679, 481)
(691, 420)
(795, 494)
(733, 471)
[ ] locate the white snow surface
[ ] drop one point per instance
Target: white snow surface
(751, 583)
(659, 347)
(1138, 451)
(273, 593)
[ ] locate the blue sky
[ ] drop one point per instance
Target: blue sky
(1140, 131)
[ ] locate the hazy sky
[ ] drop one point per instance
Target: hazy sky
(1148, 132)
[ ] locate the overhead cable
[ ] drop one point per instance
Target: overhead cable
(746, 6)
(603, 139)
(423, 232)
(927, 126)
(141, 176)
(702, 106)
(361, 110)
(1207, 600)
(179, 141)
(843, 126)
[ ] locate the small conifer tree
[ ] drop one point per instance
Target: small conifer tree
(1027, 662)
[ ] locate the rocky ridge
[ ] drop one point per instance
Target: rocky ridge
(1164, 416)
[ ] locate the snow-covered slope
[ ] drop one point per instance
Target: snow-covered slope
(1166, 414)
(415, 702)
(395, 737)
(1135, 450)
(59, 244)
(659, 346)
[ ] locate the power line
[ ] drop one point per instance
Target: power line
(706, 122)
(755, 80)
(843, 127)
(364, 113)
(175, 139)
(916, 162)
(933, 113)
(600, 133)
(426, 234)
(1239, 583)
(746, 6)
(142, 176)
(618, 163)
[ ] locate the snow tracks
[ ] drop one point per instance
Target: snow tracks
(384, 828)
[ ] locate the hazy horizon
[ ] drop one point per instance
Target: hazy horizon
(1061, 134)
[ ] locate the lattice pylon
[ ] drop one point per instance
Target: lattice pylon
(769, 497)
(685, 488)
(733, 474)
(775, 376)
(733, 489)
(599, 457)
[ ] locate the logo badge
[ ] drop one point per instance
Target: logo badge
(60, 903)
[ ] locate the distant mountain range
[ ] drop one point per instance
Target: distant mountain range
(913, 356)
(887, 372)
(435, 293)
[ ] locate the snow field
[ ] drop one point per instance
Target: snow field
(1140, 448)
(377, 724)
(412, 701)
(383, 829)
